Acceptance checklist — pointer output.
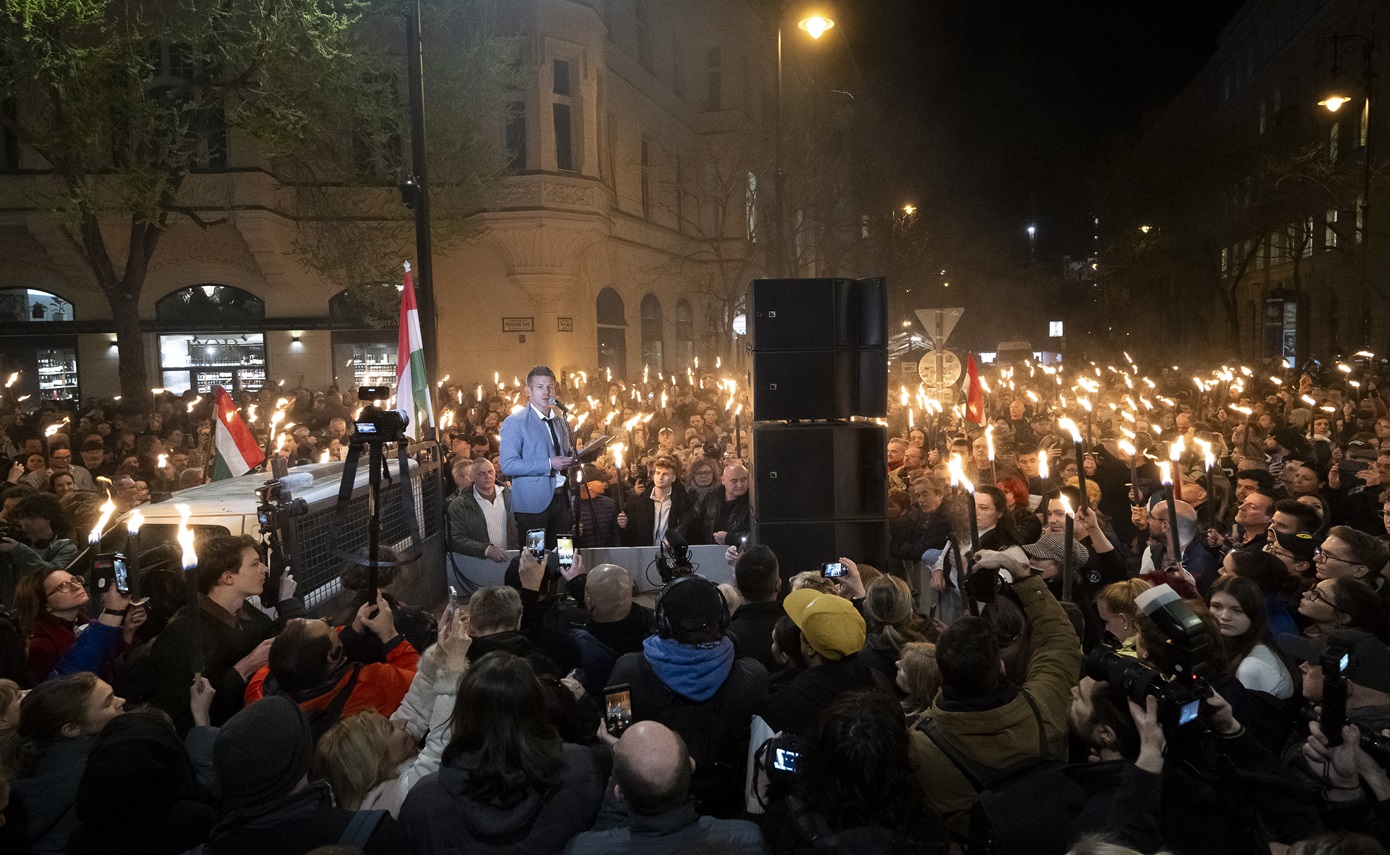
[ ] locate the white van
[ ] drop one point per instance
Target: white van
(230, 506)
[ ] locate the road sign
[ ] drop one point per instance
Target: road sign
(950, 369)
(938, 323)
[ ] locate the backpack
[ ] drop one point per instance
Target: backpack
(1024, 807)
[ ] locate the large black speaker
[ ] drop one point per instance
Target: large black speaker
(802, 314)
(820, 491)
(819, 348)
(820, 471)
(820, 384)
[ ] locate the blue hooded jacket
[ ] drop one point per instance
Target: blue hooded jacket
(690, 671)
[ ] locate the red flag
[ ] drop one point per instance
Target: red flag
(974, 393)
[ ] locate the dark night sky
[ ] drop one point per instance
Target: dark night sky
(1016, 101)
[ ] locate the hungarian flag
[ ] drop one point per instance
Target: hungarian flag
(974, 393)
(412, 381)
(236, 451)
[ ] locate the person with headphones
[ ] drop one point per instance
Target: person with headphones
(688, 678)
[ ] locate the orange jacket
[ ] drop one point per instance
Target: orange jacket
(381, 686)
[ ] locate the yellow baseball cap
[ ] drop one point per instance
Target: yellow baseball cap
(829, 623)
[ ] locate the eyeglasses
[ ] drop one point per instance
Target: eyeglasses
(1315, 594)
(1324, 555)
(74, 585)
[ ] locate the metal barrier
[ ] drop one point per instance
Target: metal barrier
(313, 538)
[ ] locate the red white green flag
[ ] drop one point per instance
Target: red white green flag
(235, 449)
(412, 380)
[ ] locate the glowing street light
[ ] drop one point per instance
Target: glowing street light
(816, 25)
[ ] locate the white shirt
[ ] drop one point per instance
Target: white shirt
(1261, 671)
(661, 518)
(559, 436)
(495, 512)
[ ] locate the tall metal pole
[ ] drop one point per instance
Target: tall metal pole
(424, 262)
(779, 247)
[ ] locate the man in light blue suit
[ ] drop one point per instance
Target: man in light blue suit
(536, 449)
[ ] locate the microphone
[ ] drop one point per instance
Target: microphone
(560, 405)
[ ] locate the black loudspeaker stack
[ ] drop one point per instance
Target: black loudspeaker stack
(820, 356)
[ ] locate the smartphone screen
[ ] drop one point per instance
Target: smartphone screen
(535, 541)
(784, 760)
(564, 547)
(617, 714)
(833, 570)
(452, 608)
(119, 569)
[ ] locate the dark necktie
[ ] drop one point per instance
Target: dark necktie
(554, 437)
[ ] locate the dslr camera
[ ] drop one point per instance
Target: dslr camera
(375, 424)
(673, 558)
(1179, 693)
(272, 509)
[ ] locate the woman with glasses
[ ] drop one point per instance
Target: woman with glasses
(1334, 604)
(51, 605)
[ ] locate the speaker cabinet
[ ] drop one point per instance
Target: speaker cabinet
(819, 348)
(820, 471)
(820, 384)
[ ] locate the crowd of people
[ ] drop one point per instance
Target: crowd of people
(1122, 657)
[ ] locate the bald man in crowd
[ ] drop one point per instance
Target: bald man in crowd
(651, 774)
(616, 624)
(723, 515)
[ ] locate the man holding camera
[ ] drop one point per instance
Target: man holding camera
(1347, 674)
(984, 716)
(536, 451)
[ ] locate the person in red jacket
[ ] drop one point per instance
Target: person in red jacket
(307, 665)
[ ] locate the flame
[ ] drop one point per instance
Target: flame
(1165, 472)
(107, 509)
(325, 457)
(251, 414)
(1207, 454)
(1176, 449)
(190, 557)
(989, 441)
(1068, 425)
(133, 523)
(13, 378)
(1042, 464)
(1127, 447)
(618, 455)
(161, 461)
(1066, 506)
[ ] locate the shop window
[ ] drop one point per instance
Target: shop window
(26, 305)
(208, 304)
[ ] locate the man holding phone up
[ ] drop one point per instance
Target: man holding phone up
(1356, 478)
(536, 451)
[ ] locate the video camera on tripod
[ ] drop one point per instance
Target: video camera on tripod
(1180, 692)
(274, 508)
(375, 428)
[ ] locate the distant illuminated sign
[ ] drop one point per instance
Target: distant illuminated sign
(1054, 329)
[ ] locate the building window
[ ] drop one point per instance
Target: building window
(564, 103)
(750, 208)
(211, 304)
(1264, 116)
(1331, 241)
(612, 332)
(1334, 133)
(680, 194)
(1365, 123)
(714, 88)
(232, 355)
(516, 135)
(646, 170)
(652, 348)
(644, 52)
(25, 305)
(685, 335)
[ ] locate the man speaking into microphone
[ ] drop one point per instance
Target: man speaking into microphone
(536, 448)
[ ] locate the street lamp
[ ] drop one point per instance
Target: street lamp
(815, 26)
(1341, 94)
(1032, 242)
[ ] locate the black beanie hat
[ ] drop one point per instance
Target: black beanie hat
(262, 752)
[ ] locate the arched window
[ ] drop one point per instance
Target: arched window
(216, 304)
(24, 305)
(612, 332)
(45, 361)
(364, 348)
(652, 348)
(228, 348)
(685, 335)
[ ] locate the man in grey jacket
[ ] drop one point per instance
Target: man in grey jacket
(480, 519)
